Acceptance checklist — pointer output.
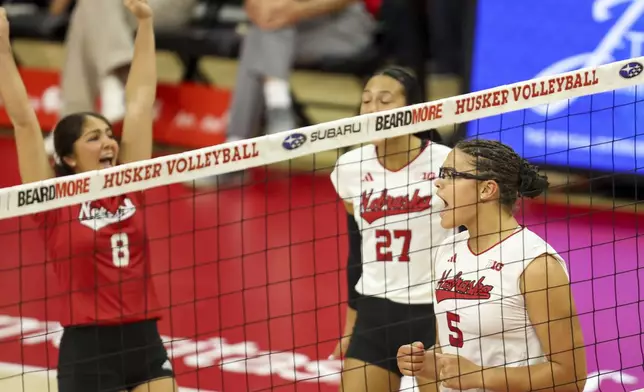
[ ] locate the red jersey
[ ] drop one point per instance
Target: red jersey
(100, 255)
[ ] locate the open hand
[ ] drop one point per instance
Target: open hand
(456, 372)
(139, 8)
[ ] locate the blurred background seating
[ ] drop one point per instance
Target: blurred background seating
(206, 49)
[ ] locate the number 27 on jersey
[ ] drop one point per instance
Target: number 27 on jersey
(393, 245)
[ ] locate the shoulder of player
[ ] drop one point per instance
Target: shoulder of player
(133, 199)
(132, 196)
(545, 270)
(451, 242)
(48, 219)
(531, 242)
(458, 237)
(437, 153)
(357, 155)
(139, 197)
(528, 247)
(441, 149)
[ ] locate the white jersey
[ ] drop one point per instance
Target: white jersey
(480, 310)
(397, 214)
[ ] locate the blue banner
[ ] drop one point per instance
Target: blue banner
(521, 40)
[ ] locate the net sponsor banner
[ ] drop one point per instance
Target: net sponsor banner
(240, 155)
(541, 38)
(186, 115)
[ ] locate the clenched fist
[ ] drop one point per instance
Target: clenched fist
(414, 361)
(139, 8)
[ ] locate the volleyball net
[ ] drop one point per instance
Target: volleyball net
(253, 278)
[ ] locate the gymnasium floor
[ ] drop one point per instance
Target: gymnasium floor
(252, 281)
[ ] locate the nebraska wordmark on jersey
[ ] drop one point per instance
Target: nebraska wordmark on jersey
(397, 214)
(480, 309)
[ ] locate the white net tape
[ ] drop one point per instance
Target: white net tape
(234, 156)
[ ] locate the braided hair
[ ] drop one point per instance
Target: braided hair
(499, 162)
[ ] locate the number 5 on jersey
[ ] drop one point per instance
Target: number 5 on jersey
(384, 244)
(120, 250)
(456, 337)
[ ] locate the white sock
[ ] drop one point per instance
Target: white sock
(112, 98)
(277, 94)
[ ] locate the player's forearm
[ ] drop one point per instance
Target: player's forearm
(427, 385)
(140, 93)
(424, 377)
(13, 92)
(547, 376)
(428, 374)
(350, 321)
(313, 8)
(32, 159)
(140, 90)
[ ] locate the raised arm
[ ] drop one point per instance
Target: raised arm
(32, 158)
(141, 88)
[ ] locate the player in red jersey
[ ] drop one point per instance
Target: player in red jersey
(99, 249)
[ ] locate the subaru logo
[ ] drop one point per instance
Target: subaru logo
(293, 141)
(631, 70)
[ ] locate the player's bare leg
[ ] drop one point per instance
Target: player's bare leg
(167, 384)
(359, 376)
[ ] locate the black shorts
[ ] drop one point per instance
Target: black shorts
(111, 358)
(382, 326)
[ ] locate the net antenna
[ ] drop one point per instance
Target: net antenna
(239, 155)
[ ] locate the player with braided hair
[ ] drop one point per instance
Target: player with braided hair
(506, 318)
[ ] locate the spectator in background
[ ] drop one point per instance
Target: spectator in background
(99, 48)
(281, 33)
(449, 20)
(405, 35)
